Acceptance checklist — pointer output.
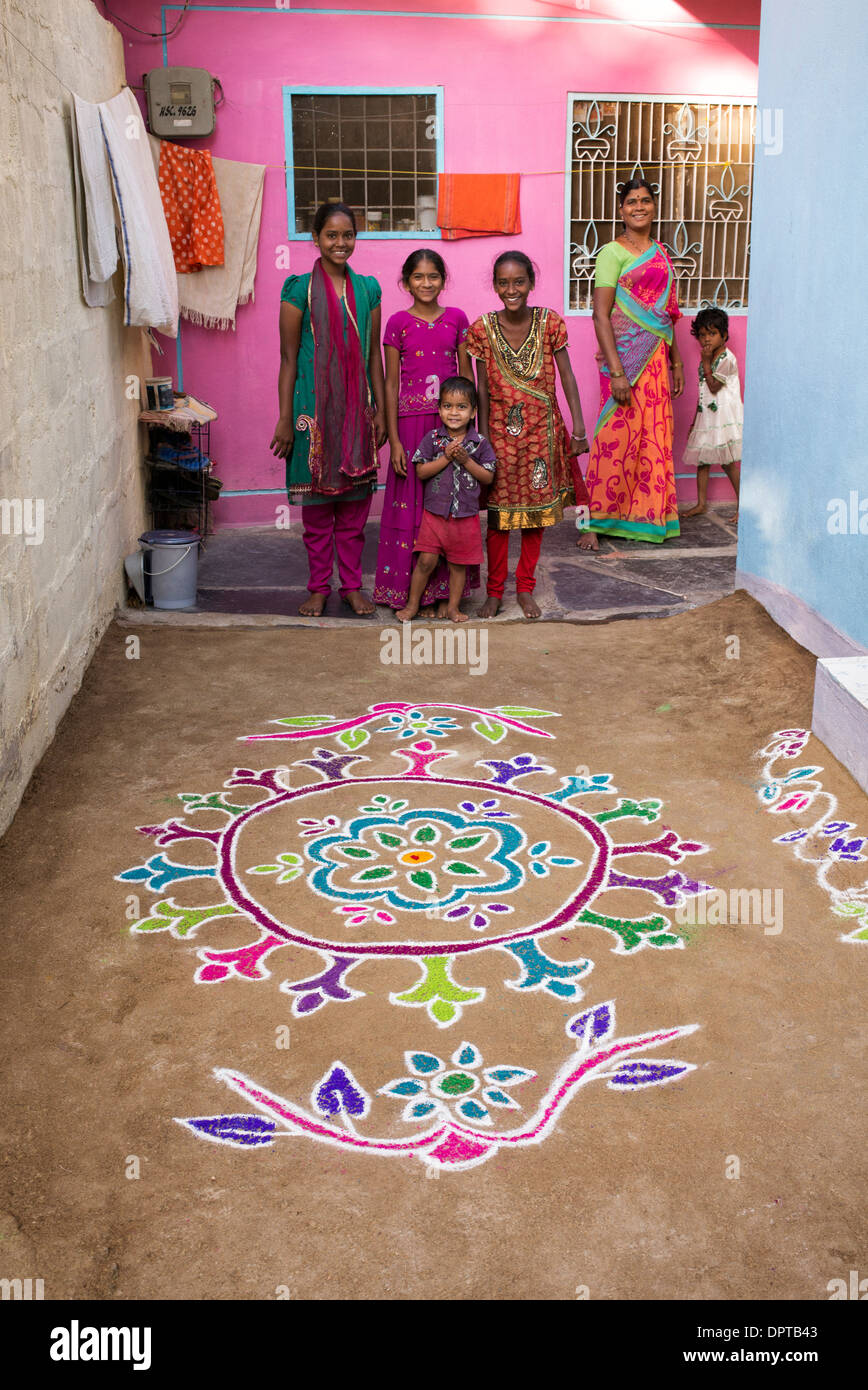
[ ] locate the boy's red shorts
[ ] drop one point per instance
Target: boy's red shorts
(459, 538)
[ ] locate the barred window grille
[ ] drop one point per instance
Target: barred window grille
(698, 157)
(377, 152)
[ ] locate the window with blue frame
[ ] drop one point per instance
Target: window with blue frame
(378, 151)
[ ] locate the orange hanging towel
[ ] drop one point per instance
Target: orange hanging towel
(192, 207)
(478, 205)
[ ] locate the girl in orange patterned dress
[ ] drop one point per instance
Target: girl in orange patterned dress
(517, 349)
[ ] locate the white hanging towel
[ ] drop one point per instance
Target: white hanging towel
(150, 284)
(94, 205)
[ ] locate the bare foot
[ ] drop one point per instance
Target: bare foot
(442, 609)
(529, 606)
(359, 602)
(588, 541)
(490, 608)
(456, 615)
(406, 615)
(693, 511)
(313, 606)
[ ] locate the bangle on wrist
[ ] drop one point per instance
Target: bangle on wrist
(614, 374)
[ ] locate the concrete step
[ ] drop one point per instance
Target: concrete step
(840, 718)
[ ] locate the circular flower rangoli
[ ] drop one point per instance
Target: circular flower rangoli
(419, 862)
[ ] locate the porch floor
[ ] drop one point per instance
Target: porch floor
(259, 575)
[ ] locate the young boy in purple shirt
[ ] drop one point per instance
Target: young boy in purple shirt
(453, 461)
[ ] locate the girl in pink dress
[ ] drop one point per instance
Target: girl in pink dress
(424, 345)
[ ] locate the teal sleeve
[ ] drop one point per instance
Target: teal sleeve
(295, 291)
(375, 294)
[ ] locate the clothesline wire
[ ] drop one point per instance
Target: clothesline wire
(531, 173)
(33, 55)
(337, 169)
(163, 34)
(392, 173)
(13, 35)
(64, 85)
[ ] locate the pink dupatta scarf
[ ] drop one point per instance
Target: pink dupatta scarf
(342, 446)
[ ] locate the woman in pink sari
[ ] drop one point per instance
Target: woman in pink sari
(631, 472)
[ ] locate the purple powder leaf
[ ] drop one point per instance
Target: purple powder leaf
(242, 1131)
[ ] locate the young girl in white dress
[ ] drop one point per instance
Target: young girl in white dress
(715, 436)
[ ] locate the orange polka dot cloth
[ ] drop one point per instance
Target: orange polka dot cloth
(192, 207)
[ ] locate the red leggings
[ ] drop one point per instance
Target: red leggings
(497, 544)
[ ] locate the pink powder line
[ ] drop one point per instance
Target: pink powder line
(393, 707)
(550, 1105)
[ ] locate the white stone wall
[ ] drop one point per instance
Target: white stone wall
(68, 434)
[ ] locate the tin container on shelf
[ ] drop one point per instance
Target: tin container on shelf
(158, 393)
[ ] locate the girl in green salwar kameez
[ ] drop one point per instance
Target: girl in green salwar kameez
(332, 419)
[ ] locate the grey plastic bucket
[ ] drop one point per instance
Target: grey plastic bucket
(171, 568)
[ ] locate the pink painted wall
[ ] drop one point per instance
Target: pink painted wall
(505, 109)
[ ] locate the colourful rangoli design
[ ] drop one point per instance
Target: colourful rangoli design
(826, 842)
(422, 864)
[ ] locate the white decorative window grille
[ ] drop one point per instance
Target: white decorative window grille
(375, 151)
(698, 157)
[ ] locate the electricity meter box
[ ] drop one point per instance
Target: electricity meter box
(180, 102)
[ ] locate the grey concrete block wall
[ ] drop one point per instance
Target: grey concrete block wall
(69, 434)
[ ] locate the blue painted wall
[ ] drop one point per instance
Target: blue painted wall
(806, 397)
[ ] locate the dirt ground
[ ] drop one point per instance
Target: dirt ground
(740, 1178)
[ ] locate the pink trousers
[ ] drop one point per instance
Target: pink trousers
(335, 526)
